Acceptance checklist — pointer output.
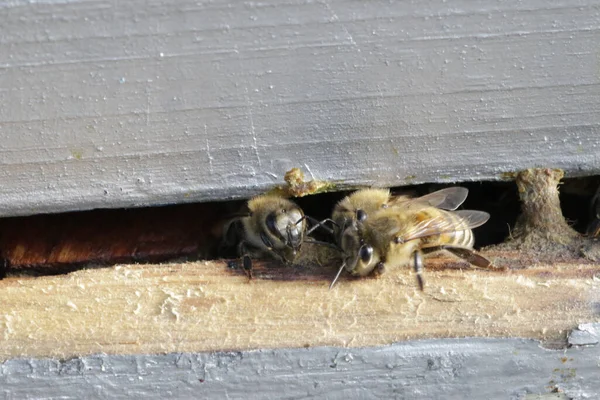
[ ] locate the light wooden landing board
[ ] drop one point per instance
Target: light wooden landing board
(204, 306)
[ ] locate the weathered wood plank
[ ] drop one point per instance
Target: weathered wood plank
(431, 369)
(206, 306)
(111, 104)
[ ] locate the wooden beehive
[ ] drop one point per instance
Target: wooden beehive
(128, 104)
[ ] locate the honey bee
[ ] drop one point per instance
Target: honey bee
(269, 225)
(402, 232)
(358, 205)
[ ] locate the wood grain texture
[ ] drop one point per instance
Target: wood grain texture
(206, 306)
(117, 104)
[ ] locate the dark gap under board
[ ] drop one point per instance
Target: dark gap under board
(58, 243)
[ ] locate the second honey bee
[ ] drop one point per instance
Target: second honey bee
(270, 226)
(401, 233)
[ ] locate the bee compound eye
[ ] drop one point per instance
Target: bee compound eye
(266, 241)
(361, 215)
(271, 222)
(365, 253)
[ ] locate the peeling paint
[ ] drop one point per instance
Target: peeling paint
(432, 369)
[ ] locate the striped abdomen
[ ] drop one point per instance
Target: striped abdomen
(447, 228)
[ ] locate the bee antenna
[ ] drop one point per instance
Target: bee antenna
(337, 276)
(300, 220)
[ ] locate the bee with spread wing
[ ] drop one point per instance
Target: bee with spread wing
(358, 205)
(400, 233)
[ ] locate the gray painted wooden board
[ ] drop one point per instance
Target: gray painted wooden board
(430, 369)
(111, 104)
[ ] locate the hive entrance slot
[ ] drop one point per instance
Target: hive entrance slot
(59, 243)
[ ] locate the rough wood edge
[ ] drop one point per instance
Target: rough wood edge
(205, 306)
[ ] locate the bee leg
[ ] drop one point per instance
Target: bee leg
(246, 261)
(418, 267)
(247, 265)
(379, 268)
(471, 257)
(465, 253)
(4, 265)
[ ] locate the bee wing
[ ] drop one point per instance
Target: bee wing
(467, 219)
(473, 218)
(231, 224)
(231, 235)
(446, 199)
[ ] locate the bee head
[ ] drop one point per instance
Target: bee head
(284, 232)
(360, 257)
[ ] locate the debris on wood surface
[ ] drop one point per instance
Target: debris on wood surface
(297, 186)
